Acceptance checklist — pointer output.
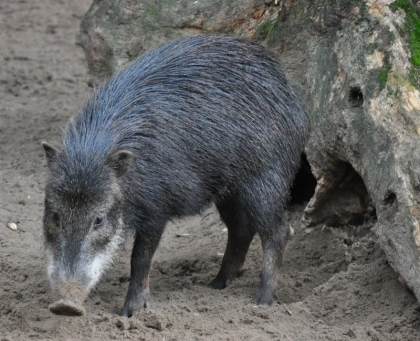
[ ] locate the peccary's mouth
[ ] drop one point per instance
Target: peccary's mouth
(65, 307)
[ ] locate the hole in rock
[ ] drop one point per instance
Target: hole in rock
(391, 202)
(346, 202)
(356, 97)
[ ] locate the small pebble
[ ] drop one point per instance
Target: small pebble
(12, 226)
(292, 231)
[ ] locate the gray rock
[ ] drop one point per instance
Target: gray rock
(113, 32)
(352, 63)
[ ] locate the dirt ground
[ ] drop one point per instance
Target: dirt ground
(335, 283)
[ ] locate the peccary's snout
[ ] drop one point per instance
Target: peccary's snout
(68, 299)
(65, 307)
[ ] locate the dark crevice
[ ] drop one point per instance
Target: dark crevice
(304, 184)
(391, 202)
(356, 97)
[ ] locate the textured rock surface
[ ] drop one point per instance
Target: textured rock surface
(354, 62)
(355, 69)
(114, 32)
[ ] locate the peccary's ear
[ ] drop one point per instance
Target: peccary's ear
(50, 152)
(120, 162)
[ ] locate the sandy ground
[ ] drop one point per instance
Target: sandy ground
(335, 284)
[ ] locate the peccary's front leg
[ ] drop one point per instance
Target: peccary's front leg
(141, 259)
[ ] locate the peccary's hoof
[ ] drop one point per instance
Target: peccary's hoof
(67, 308)
(219, 283)
(263, 298)
(130, 308)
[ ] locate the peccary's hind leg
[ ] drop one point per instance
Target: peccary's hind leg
(265, 199)
(274, 238)
(239, 238)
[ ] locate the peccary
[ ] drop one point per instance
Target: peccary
(200, 120)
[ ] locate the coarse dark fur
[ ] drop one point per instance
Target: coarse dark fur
(206, 119)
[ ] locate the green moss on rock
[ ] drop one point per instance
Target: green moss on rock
(412, 26)
(265, 29)
(152, 16)
(383, 76)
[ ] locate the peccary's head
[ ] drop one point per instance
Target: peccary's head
(83, 221)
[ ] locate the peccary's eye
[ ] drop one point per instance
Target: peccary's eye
(56, 218)
(99, 221)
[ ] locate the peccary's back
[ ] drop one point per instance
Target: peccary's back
(212, 108)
